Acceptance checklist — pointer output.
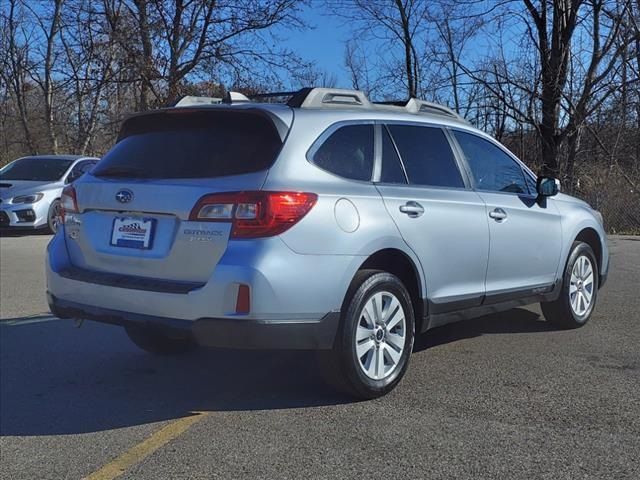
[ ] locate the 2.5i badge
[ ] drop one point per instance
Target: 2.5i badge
(132, 232)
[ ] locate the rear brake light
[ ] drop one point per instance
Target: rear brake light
(68, 201)
(254, 214)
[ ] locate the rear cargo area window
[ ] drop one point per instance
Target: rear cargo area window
(192, 144)
(348, 152)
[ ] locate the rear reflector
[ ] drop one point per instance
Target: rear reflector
(243, 302)
(254, 214)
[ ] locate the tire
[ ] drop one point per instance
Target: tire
(574, 306)
(389, 340)
(53, 216)
(158, 343)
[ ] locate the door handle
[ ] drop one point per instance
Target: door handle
(413, 209)
(498, 214)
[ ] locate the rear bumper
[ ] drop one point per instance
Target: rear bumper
(284, 286)
(216, 332)
(295, 299)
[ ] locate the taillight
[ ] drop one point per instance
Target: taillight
(254, 214)
(68, 201)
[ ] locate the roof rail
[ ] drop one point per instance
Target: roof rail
(335, 97)
(191, 100)
(330, 98)
(415, 105)
(235, 97)
(230, 97)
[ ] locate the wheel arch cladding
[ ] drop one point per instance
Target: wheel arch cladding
(398, 263)
(591, 237)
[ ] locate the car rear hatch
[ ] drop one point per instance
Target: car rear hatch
(134, 207)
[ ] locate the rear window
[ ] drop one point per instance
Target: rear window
(192, 144)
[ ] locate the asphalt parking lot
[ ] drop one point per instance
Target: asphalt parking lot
(504, 396)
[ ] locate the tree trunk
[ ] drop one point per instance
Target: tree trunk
(573, 147)
(408, 51)
(48, 80)
(146, 70)
(17, 79)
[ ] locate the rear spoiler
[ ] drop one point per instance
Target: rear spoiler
(279, 123)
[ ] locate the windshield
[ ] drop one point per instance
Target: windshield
(192, 144)
(36, 169)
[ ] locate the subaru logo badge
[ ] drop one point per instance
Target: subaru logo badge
(124, 196)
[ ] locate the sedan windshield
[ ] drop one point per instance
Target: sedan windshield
(36, 169)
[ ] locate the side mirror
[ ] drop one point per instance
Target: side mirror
(73, 176)
(548, 186)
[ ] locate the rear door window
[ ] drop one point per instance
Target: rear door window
(427, 156)
(492, 169)
(192, 144)
(347, 152)
(391, 167)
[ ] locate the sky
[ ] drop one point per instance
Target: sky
(324, 44)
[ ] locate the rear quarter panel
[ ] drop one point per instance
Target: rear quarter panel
(349, 218)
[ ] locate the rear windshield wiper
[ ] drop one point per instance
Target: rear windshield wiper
(121, 172)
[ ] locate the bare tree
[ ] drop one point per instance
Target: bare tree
(577, 47)
(397, 22)
(179, 37)
(43, 76)
(359, 68)
(16, 67)
(89, 57)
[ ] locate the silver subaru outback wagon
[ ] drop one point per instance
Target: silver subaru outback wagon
(328, 223)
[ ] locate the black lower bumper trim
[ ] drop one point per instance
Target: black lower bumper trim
(256, 334)
(216, 332)
(128, 281)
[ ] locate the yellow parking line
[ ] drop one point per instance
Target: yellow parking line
(136, 454)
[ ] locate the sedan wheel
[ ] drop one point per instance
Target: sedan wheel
(55, 216)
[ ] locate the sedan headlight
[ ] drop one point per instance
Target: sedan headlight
(33, 198)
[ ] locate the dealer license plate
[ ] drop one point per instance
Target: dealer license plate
(132, 232)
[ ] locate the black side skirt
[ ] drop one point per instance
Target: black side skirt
(442, 314)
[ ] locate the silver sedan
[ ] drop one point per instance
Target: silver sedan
(30, 189)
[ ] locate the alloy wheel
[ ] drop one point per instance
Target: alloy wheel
(581, 285)
(381, 335)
